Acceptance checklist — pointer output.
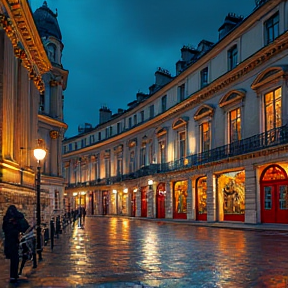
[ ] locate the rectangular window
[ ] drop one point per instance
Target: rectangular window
(205, 136)
(235, 125)
(106, 132)
(130, 122)
(76, 146)
(142, 116)
(92, 139)
(181, 93)
(142, 156)
(267, 198)
(132, 162)
(151, 111)
(70, 147)
(204, 77)
(110, 131)
(119, 128)
(164, 103)
(182, 144)
(232, 57)
(273, 104)
(83, 143)
(99, 136)
(272, 28)
(283, 197)
(107, 167)
(119, 166)
(135, 120)
(162, 151)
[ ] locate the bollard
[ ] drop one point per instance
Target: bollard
(34, 259)
(52, 229)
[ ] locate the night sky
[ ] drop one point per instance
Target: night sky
(112, 48)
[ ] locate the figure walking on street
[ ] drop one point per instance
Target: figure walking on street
(13, 223)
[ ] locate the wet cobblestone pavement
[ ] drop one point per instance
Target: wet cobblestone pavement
(119, 252)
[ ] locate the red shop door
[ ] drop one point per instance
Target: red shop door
(160, 199)
(274, 202)
(143, 203)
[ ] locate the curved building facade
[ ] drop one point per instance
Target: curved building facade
(208, 144)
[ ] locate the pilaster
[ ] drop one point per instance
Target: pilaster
(211, 198)
(189, 200)
(250, 195)
(169, 201)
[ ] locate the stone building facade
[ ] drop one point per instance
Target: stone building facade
(208, 144)
(29, 77)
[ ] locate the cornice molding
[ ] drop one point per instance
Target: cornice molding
(51, 121)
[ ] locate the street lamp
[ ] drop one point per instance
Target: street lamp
(150, 183)
(39, 154)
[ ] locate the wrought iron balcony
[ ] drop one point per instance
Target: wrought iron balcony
(274, 137)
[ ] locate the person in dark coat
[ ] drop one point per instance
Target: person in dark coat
(13, 223)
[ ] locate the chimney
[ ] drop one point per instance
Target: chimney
(104, 115)
(231, 20)
(162, 77)
(187, 55)
(140, 96)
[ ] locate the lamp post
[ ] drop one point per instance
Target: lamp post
(39, 154)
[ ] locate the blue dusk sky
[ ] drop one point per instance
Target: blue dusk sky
(112, 48)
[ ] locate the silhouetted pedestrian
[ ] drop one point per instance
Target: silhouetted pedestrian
(13, 223)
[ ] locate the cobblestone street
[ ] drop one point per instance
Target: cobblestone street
(121, 252)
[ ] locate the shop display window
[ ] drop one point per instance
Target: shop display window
(202, 195)
(232, 194)
(180, 199)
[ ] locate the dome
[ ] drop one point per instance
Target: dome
(46, 22)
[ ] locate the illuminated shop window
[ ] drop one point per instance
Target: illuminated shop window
(180, 197)
(202, 195)
(232, 192)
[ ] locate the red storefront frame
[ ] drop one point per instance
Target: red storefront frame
(273, 178)
(144, 202)
(160, 201)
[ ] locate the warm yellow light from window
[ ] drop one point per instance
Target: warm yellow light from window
(114, 191)
(125, 190)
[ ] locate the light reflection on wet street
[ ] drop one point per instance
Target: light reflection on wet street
(113, 249)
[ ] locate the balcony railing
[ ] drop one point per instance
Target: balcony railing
(274, 137)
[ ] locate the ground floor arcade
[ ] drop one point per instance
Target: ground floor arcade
(250, 193)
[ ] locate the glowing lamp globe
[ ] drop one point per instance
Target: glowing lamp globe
(39, 154)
